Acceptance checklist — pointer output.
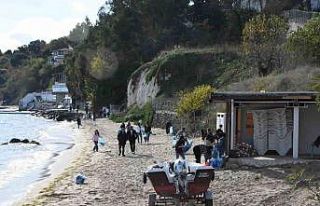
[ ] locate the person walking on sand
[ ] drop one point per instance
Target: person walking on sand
(128, 126)
(168, 125)
(148, 133)
(180, 145)
(122, 139)
(122, 126)
(132, 136)
(95, 139)
(79, 122)
(139, 131)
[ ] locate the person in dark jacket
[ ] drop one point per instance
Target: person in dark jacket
(203, 134)
(168, 125)
(179, 146)
(132, 136)
(220, 132)
(210, 141)
(128, 126)
(122, 126)
(148, 133)
(79, 122)
(122, 139)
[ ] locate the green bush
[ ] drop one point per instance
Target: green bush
(145, 114)
(117, 118)
(305, 41)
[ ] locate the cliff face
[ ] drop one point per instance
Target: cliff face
(178, 70)
(140, 91)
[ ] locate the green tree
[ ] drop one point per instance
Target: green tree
(8, 52)
(103, 64)
(80, 32)
(18, 58)
(305, 41)
(36, 48)
(315, 85)
(209, 19)
(263, 40)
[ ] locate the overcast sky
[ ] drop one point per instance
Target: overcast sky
(22, 21)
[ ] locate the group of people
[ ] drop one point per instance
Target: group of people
(143, 132)
(104, 112)
(128, 133)
(210, 141)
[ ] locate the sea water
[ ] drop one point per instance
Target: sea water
(21, 165)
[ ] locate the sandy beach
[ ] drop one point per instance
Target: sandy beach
(116, 180)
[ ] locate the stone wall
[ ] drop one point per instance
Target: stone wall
(165, 111)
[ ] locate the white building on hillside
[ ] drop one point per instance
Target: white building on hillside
(36, 100)
(62, 94)
(57, 56)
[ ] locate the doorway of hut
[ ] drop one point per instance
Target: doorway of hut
(269, 131)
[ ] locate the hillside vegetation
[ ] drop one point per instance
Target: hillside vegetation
(182, 69)
(173, 44)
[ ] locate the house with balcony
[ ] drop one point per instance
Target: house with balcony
(57, 56)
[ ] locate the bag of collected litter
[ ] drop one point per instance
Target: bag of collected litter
(216, 160)
(80, 178)
(102, 141)
(187, 146)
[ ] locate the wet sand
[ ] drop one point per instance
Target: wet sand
(117, 180)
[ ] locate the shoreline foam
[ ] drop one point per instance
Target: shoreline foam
(57, 166)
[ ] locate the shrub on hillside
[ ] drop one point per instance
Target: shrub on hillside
(263, 40)
(306, 41)
(145, 114)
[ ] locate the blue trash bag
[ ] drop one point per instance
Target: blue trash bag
(216, 160)
(80, 178)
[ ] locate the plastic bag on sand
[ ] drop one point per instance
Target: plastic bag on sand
(80, 178)
(188, 145)
(102, 141)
